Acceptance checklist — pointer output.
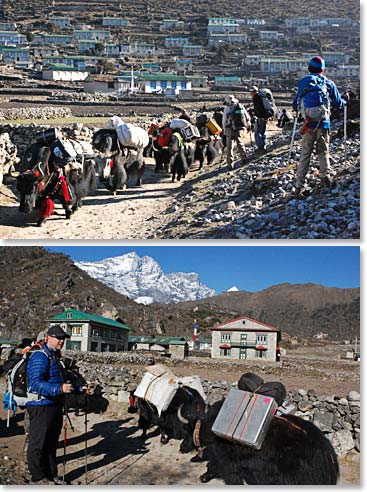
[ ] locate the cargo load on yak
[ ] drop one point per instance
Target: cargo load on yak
(268, 101)
(187, 130)
(245, 417)
(247, 412)
(159, 385)
(129, 135)
(16, 390)
(163, 137)
(213, 127)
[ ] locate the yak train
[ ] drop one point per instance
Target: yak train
(62, 169)
(250, 437)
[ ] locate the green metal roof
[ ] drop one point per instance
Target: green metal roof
(65, 68)
(4, 341)
(157, 340)
(80, 316)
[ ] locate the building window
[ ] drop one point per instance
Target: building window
(73, 345)
(261, 339)
(77, 330)
(225, 352)
(243, 353)
(94, 346)
(153, 84)
(243, 339)
(164, 84)
(183, 84)
(69, 315)
(173, 84)
(226, 337)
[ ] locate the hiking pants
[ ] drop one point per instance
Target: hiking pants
(44, 431)
(320, 136)
(260, 133)
(235, 137)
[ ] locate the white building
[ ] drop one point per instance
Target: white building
(114, 22)
(90, 332)
(64, 73)
(245, 338)
(192, 50)
(175, 42)
(150, 83)
(225, 28)
(219, 39)
(269, 35)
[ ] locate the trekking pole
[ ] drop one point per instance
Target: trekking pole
(345, 131)
(86, 438)
(292, 138)
(66, 419)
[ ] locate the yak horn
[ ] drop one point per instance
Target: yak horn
(180, 417)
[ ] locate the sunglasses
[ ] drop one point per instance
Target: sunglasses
(58, 338)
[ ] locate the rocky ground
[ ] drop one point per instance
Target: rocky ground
(251, 202)
(116, 455)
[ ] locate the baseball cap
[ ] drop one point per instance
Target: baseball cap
(57, 331)
(254, 88)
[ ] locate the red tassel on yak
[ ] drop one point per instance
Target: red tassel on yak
(47, 208)
(65, 189)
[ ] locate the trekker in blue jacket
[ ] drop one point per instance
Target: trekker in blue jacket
(46, 379)
(316, 95)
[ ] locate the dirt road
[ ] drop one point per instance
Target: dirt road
(134, 213)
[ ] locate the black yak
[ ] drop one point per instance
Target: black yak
(294, 452)
(171, 423)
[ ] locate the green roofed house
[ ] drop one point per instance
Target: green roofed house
(90, 332)
(177, 346)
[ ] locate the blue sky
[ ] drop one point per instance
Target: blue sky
(249, 268)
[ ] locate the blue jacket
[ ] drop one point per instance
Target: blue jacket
(45, 377)
(334, 95)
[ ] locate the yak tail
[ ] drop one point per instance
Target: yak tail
(47, 208)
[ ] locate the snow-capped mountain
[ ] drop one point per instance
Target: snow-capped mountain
(233, 289)
(143, 280)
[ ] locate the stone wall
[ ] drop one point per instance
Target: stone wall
(36, 113)
(8, 155)
(338, 417)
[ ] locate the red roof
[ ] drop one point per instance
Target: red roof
(222, 325)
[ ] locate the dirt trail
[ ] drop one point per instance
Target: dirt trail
(117, 456)
(134, 213)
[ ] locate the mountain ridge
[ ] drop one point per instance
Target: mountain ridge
(40, 284)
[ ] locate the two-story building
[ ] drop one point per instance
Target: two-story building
(183, 65)
(64, 73)
(246, 338)
(15, 55)
(92, 34)
(220, 39)
(175, 42)
(192, 50)
(90, 332)
(114, 22)
(12, 37)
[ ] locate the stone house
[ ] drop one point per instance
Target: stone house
(246, 338)
(108, 84)
(114, 22)
(90, 332)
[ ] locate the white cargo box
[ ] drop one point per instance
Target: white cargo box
(159, 386)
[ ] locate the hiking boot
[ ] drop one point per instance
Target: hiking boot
(244, 161)
(68, 214)
(231, 166)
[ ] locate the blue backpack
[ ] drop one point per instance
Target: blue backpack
(314, 99)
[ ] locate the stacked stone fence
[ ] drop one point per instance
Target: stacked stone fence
(338, 417)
